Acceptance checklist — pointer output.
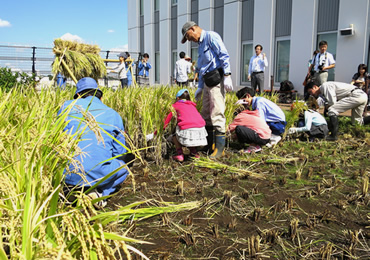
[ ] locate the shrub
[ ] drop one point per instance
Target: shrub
(9, 79)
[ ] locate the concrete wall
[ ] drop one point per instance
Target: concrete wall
(133, 26)
(232, 36)
(183, 16)
(302, 46)
(352, 50)
(263, 33)
(149, 36)
(165, 41)
(206, 14)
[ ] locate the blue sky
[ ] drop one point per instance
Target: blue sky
(38, 23)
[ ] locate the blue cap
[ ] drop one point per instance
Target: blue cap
(179, 94)
(84, 84)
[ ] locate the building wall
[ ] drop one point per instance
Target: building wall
(351, 50)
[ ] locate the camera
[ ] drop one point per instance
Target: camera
(321, 66)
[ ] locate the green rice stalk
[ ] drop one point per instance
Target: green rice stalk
(207, 163)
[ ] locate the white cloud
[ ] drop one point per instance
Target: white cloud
(111, 31)
(71, 37)
(120, 48)
(4, 23)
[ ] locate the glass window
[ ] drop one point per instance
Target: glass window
(157, 67)
(247, 55)
(331, 39)
(174, 2)
(173, 61)
(282, 60)
(141, 7)
(194, 55)
(156, 5)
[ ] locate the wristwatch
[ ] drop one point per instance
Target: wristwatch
(227, 74)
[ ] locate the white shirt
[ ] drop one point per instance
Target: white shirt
(335, 91)
(325, 58)
(257, 64)
(121, 70)
(182, 68)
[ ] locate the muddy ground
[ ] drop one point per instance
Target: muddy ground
(313, 202)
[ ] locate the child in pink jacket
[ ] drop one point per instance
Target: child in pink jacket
(190, 130)
(250, 128)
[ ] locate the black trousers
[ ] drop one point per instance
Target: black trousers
(183, 84)
(124, 83)
(248, 136)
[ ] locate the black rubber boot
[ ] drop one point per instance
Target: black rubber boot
(219, 145)
(333, 129)
(210, 140)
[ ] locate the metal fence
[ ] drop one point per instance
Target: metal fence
(38, 60)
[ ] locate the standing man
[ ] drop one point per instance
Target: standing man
(182, 69)
(144, 67)
(322, 62)
(256, 69)
(214, 79)
(340, 97)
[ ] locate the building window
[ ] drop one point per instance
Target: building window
(173, 61)
(157, 67)
(194, 55)
(282, 60)
(331, 39)
(156, 5)
(174, 2)
(247, 51)
(141, 7)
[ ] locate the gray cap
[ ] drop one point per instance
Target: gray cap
(185, 28)
(123, 54)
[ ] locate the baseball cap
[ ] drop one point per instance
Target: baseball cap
(123, 54)
(185, 28)
(84, 84)
(181, 91)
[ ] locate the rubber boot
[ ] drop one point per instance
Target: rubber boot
(333, 129)
(219, 145)
(210, 140)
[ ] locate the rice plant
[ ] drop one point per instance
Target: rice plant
(35, 222)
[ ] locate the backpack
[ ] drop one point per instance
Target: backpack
(286, 85)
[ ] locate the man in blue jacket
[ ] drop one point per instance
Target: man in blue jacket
(100, 132)
(214, 80)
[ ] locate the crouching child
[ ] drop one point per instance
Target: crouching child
(250, 129)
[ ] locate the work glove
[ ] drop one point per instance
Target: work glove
(198, 94)
(292, 130)
(241, 102)
(149, 137)
(228, 83)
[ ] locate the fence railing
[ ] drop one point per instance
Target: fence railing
(38, 60)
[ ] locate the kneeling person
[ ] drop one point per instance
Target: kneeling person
(250, 128)
(102, 152)
(268, 110)
(340, 97)
(311, 122)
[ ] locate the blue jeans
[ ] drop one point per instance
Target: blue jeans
(277, 128)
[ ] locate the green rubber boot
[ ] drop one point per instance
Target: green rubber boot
(219, 145)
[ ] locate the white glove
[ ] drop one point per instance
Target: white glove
(292, 130)
(198, 94)
(241, 102)
(228, 83)
(149, 137)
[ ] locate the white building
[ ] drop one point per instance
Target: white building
(288, 30)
